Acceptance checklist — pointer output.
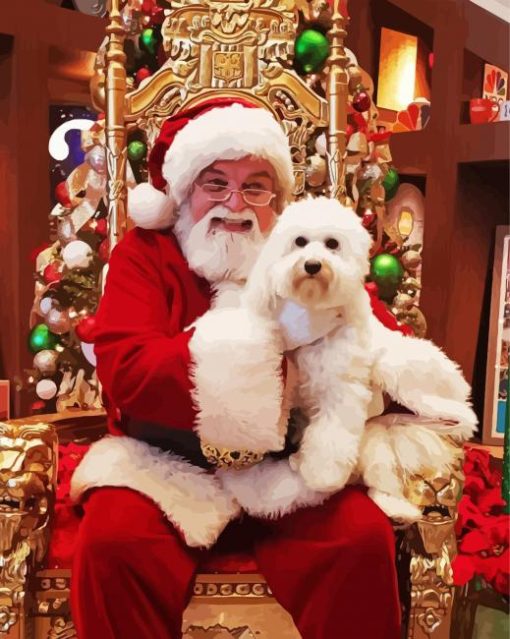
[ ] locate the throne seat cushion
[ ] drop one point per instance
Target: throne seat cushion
(230, 555)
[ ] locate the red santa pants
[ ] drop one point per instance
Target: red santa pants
(331, 567)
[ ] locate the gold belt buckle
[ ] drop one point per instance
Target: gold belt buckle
(227, 458)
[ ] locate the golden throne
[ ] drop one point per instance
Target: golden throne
(221, 48)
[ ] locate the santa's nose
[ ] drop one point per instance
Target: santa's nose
(235, 202)
(312, 267)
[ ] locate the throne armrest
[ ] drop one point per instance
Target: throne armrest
(431, 546)
(28, 480)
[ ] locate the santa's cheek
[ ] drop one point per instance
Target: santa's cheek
(266, 219)
(200, 205)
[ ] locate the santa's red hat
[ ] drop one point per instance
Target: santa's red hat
(192, 140)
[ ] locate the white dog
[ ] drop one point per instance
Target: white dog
(317, 257)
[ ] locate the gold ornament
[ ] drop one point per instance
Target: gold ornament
(411, 260)
(46, 362)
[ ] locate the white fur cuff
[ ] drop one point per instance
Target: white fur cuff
(193, 500)
(238, 383)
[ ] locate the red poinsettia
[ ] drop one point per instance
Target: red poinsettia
(63, 539)
(482, 527)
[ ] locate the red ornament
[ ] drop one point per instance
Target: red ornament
(361, 101)
(104, 250)
(142, 74)
(52, 273)
(101, 227)
(85, 329)
(369, 217)
(101, 116)
(37, 406)
(62, 195)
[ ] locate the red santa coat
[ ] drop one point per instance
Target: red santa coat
(147, 361)
(141, 344)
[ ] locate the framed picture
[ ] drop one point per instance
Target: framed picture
(495, 83)
(496, 381)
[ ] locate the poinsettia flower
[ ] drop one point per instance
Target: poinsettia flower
(490, 501)
(463, 568)
(468, 515)
(489, 537)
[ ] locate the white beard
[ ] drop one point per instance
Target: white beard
(218, 255)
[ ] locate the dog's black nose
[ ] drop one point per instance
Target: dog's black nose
(312, 267)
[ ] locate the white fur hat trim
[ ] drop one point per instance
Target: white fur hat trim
(150, 208)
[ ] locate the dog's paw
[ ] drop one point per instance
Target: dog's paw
(329, 475)
(460, 420)
(396, 508)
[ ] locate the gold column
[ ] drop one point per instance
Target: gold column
(337, 93)
(116, 151)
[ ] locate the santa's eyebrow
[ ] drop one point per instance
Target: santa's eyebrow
(211, 170)
(259, 174)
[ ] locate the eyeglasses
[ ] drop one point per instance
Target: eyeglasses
(252, 197)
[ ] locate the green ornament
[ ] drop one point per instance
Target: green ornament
(149, 40)
(311, 50)
(387, 272)
(41, 338)
(391, 183)
(137, 150)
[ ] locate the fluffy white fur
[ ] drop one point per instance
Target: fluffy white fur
(150, 208)
(336, 373)
(216, 254)
(396, 446)
(192, 499)
(229, 413)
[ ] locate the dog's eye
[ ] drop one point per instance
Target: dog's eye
(331, 243)
(300, 241)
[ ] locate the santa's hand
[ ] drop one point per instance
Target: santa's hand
(300, 327)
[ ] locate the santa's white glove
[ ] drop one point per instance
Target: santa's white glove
(300, 326)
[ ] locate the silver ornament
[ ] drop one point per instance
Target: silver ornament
(65, 231)
(46, 362)
(58, 321)
(96, 159)
(315, 170)
(45, 305)
(96, 8)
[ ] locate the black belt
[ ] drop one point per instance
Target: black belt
(186, 443)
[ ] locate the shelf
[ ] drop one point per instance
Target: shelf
(484, 142)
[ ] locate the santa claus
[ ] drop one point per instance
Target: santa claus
(221, 172)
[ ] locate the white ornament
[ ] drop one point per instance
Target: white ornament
(45, 305)
(46, 389)
(77, 254)
(88, 353)
(321, 145)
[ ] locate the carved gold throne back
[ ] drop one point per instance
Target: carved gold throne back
(227, 49)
